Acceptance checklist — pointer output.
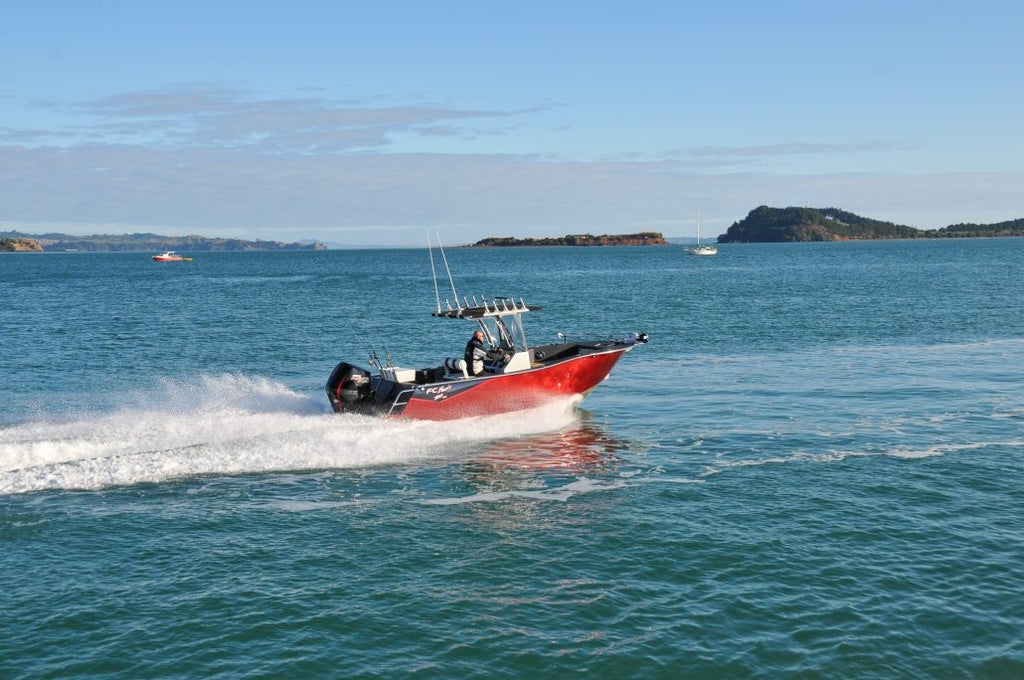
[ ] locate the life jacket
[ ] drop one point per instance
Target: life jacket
(472, 360)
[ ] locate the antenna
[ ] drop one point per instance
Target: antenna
(433, 271)
(450, 280)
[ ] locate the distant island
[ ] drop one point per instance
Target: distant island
(18, 241)
(643, 238)
(781, 225)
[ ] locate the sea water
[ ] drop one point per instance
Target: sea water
(813, 469)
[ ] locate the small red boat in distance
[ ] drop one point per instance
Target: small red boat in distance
(171, 256)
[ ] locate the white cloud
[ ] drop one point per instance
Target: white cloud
(223, 118)
(214, 161)
(789, 149)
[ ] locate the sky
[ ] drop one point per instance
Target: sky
(368, 123)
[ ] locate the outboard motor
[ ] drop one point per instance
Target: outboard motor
(347, 387)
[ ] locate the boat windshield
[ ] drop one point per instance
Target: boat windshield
(505, 331)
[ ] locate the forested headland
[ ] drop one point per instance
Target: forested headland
(775, 225)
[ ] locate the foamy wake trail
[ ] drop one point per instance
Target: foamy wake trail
(232, 425)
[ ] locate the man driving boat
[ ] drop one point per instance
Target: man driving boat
(476, 355)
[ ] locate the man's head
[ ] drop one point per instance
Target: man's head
(479, 335)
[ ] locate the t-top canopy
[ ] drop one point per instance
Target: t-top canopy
(499, 306)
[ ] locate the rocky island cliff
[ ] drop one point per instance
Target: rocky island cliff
(20, 245)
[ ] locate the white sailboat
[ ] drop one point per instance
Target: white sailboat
(699, 249)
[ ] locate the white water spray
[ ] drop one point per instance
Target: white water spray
(233, 425)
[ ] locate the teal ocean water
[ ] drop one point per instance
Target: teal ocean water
(814, 469)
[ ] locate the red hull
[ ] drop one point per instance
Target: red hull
(512, 391)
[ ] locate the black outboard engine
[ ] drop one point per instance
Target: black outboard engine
(348, 388)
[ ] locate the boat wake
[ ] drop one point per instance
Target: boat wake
(231, 424)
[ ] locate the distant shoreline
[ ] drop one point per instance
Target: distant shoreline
(141, 243)
(763, 224)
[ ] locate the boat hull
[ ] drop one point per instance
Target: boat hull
(512, 391)
(483, 395)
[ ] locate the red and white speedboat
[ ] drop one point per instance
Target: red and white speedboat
(171, 256)
(525, 377)
(518, 376)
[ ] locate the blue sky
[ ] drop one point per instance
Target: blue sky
(364, 123)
